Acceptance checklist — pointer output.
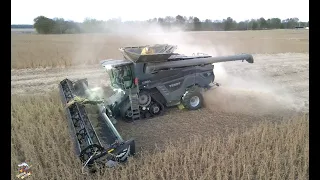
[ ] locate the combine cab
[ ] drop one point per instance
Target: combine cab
(144, 86)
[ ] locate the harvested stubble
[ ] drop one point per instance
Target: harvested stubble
(268, 151)
(35, 51)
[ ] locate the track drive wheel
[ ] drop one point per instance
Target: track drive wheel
(193, 98)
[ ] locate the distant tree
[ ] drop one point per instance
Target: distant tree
(44, 25)
(274, 23)
(161, 21)
(290, 23)
(229, 24)
(262, 23)
(207, 25)
(180, 21)
(92, 25)
(169, 20)
(151, 21)
(197, 24)
(242, 25)
(218, 25)
(72, 27)
(60, 26)
(190, 19)
(255, 24)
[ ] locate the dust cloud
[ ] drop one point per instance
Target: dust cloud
(248, 99)
(249, 93)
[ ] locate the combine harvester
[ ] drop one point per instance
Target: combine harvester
(145, 85)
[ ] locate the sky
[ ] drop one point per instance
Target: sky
(24, 11)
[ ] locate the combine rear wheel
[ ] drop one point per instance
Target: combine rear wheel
(155, 109)
(193, 98)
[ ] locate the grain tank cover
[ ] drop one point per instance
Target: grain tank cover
(113, 63)
(161, 53)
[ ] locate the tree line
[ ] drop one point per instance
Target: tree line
(44, 25)
(22, 26)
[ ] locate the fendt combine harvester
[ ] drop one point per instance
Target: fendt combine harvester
(145, 85)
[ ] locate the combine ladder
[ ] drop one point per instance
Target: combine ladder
(134, 102)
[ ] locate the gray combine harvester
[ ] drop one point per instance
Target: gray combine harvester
(145, 86)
